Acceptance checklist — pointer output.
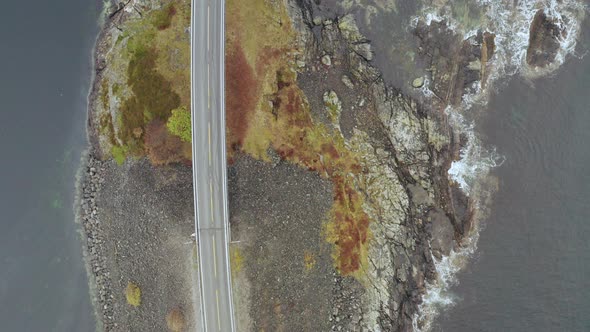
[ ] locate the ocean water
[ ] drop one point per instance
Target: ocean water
(45, 66)
(530, 271)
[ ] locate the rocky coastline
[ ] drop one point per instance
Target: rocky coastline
(432, 216)
(136, 217)
(90, 178)
(89, 184)
(414, 146)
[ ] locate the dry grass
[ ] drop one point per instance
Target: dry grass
(175, 320)
(309, 260)
(155, 52)
(266, 109)
(236, 259)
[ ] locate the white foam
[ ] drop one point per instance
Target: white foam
(511, 24)
(430, 15)
(470, 33)
(438, 294)
(475, 162)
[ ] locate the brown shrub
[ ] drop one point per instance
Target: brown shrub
(161, 146)
(175, 320)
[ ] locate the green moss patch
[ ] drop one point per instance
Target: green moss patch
(119, 153)
(152, 98)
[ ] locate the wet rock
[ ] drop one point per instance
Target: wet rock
(543, 40)
(442, 233)
(457, 64)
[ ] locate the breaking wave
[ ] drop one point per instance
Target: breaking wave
(511, 24)
(475, 162)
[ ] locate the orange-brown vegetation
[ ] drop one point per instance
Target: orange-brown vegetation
(266, 109)
(175, 320)
(161, 147)
(241, 95)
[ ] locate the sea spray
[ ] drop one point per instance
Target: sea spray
(511, 25)
(438, 295)
(475, 161)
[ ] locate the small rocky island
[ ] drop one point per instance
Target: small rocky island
(340, 198)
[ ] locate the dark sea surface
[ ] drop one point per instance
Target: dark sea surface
(532, 268)
(45, 68)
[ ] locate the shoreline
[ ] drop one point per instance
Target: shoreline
(82, 196)
(472, 171)
(100, 223)
(88, 184)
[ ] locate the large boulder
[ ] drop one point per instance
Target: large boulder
(543, 41)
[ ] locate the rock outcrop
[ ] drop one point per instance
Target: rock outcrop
(543, 41)
(457, 66)
(406, 150)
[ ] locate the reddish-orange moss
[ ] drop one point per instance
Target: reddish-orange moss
(241, 95)
(266, 109)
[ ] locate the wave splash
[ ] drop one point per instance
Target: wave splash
(475, 162)
(511, 24)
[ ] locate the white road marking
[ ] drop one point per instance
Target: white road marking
(209, 135)
(214, 258)
(211, 200)
(208, 91)
(218, 318)
(210, 188)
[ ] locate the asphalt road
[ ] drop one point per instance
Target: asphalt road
(209, 164)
